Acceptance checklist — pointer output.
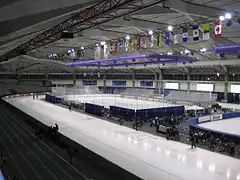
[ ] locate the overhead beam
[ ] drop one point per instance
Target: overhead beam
(143, 24)
(28, 67)
(50, 63)
(194, 9)
(90, 17)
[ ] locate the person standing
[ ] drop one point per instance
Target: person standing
(193, 140)
(211, 143)
(121, 121)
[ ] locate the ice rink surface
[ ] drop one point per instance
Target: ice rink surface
(228, 125)
(107, 100)
(147, 156)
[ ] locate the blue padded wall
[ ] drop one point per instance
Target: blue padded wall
(94, 109)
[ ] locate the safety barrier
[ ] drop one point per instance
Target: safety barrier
(193, 124)
(9, 96)
(146, 114)
(94, 109)
(120, 112)
(53, 99)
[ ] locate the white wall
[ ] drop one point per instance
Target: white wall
(218, 85)
(100, 82)
(193, 86)
(62, 81)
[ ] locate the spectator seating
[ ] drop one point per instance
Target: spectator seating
(198, 98)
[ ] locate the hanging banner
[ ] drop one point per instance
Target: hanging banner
(116, 47)
(159, 39)
(98, 53)
(218, 29)
(206, 31)
(132, 44)
(138, 42)
(195, 33)
(111, 48)
(175, 38)
(126, 44)
(144, 41)
(105, 51)
(185, 34)
(151, 40)
(120, 45)
(167, 38)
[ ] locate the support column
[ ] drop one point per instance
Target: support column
(226, 87)
(156, 82)
(74, 79)
(18, 73)
(45, 82)
(188, 81)
(133, 79)
(104, 80)
(161, 84)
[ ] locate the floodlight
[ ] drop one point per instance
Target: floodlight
(170, 28)
(150, 32)
(228, 16)
(103, 43)
(127, 37)
(221, 18)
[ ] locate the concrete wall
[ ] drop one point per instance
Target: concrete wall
(183, 85)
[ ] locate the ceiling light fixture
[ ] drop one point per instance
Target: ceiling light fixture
(203, 50)
(127, 37)
(228, 16)
(221, 18)
(186, 51)
(170, 28)
(150, 32)
(103, 43)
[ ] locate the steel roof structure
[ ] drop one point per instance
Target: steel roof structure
(30, 31)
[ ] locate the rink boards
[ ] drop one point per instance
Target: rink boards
(226, 126)
(107, 100)
(145, 155)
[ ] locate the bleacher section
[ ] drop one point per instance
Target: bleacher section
(63, 91)
(12, 87)
(138, 92)
(28, 158)
(203, 99)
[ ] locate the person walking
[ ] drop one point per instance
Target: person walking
(193, 140)
(121, 121)
(211, 143)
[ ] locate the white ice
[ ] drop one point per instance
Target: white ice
(107, 100)
(227, 125)
(145, 155)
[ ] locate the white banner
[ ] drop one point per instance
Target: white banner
(204, 119)
(215, 117)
